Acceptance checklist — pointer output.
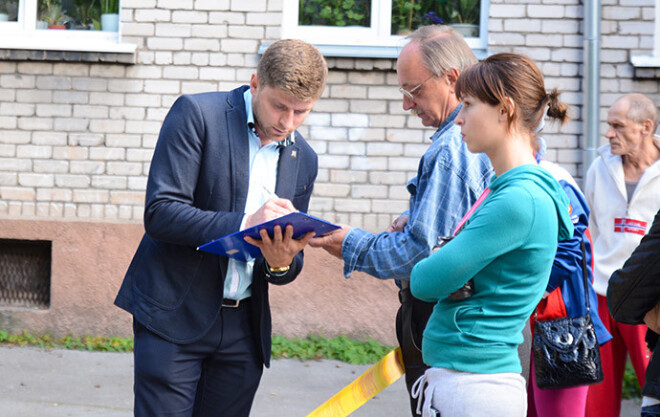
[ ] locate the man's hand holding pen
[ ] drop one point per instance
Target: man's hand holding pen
(279, 249)
(273, 208)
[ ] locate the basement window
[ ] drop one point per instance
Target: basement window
(25, 267)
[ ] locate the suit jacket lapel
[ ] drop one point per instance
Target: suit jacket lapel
(239, 149)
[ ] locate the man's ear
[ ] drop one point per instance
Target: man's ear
(452, 75)
(254, 83)
(647, 128)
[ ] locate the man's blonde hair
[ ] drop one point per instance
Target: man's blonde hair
(295, 67)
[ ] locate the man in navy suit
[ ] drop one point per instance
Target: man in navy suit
(223, 162)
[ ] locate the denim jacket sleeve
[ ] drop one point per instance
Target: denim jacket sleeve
(448, 182)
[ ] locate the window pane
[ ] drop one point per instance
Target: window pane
(408, 15)
(8, 11)
(334, 13)
(77, 14)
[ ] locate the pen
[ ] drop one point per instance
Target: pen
(270, 193)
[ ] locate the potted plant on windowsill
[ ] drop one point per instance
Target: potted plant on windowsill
(334, 13)
(8, 10)
(408, 15)
(404, 16)
(83, 15)
(53, 14)
(110, 15)
(463, 15)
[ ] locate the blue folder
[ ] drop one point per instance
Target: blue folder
(233, 245)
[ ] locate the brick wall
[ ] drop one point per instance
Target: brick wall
(368, 146)
(549, 32)
(627, 30)
(76, 138)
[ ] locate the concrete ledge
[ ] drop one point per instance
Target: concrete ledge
(66, 56)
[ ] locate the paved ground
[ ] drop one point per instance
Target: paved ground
(65, 383)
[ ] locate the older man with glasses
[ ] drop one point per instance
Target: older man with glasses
(449, 180)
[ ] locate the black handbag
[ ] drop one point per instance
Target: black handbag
(566, 351)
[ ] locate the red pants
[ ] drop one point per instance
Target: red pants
(604, 399)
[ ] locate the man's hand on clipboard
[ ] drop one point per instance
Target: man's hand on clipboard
(281, 248)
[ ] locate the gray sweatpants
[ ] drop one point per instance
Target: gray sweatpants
(465, 394)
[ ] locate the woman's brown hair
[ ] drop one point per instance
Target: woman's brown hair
(505, 76)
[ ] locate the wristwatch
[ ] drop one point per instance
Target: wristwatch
(278, 272)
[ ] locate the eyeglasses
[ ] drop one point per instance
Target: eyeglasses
(409, 93)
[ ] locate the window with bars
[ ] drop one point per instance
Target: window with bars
(25, 267)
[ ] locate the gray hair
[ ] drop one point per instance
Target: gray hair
(442, 48)
(641, 108)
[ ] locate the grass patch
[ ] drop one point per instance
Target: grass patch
(312, 347)
(47, 341)
(630, 384)
(340, 348)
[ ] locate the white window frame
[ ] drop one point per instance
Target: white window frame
(372, 42)
(653, 60)
(24, 34)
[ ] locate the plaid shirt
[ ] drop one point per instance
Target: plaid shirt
(449, 180)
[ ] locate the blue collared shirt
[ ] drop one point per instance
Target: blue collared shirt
(449, 180)
(263, 177)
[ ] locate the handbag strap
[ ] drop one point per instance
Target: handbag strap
(476, 204)
(584, 274)
(584, 278)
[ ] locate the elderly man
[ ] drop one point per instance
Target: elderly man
(449, 180)
(623, 191)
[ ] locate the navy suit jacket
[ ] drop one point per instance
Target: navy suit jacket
(196, 192)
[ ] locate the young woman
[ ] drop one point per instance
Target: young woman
(505, 248)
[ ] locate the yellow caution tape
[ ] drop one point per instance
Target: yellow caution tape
(363, 388)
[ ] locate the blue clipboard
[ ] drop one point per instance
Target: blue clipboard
(233, 245)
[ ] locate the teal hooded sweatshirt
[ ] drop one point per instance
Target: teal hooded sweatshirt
(507, 246)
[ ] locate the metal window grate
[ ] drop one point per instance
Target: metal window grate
(25, 273)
